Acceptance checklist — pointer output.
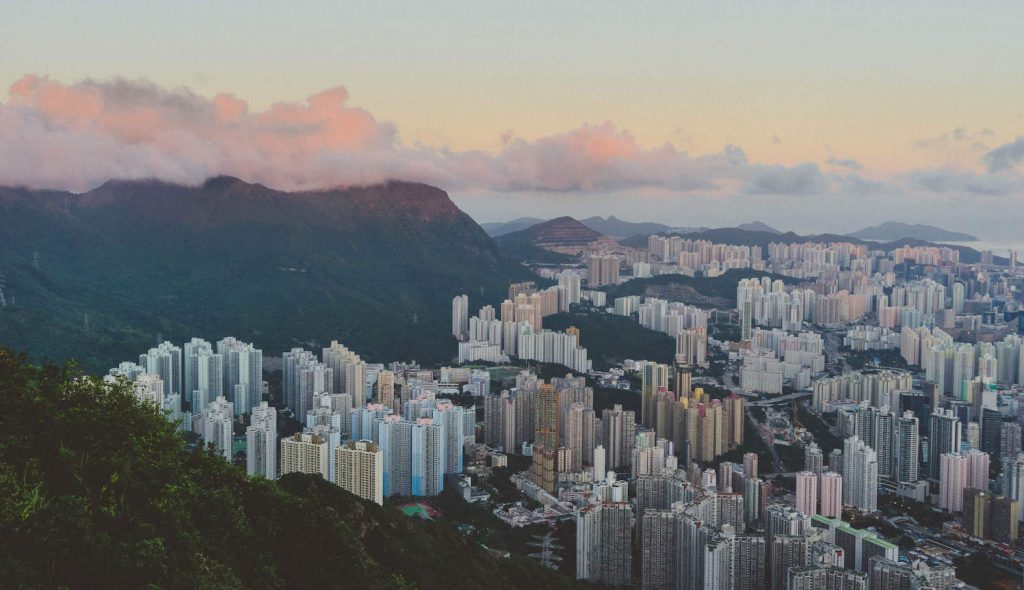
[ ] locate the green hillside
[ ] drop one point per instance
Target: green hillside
(99, 276)
(98, 491)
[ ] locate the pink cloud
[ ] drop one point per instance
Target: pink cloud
(77, 136)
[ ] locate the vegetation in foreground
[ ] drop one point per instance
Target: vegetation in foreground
(98, 491)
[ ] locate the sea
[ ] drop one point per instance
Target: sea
(998, 247)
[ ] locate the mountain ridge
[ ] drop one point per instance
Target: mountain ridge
(374, 267)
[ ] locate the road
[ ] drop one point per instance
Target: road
(769, 440)
(780, 399)
(832, 355)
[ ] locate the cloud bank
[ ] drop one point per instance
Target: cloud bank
(77, 136)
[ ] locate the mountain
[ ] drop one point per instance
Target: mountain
(100, 275)
(758, 226)
(617, 228)
(894, 230)
(100, 491)
(500, 228)
(552, 241)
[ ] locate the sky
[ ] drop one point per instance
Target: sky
(812, 116)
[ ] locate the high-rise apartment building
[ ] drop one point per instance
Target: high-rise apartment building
(807, 493)
(604, 548)
(944, 437)
(243, 374)
(907, 447)
(860, 475)
(203, 374)
(218, 421)
(460, 316)
(305, 453)
(428, 458)
(359, 468)
(603, 269)
(348, 371)
(831, 494)
(261, 442)
(654, 376)
(952, 481)
(164, 361)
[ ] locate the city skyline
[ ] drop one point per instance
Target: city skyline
(281, 283)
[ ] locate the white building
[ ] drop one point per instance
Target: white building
(261, 442)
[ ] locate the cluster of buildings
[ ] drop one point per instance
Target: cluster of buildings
(772, 358)
(516, 328)
(373, 431)
(665, 485)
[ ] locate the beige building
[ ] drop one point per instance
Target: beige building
(304, 453)
(359, 468)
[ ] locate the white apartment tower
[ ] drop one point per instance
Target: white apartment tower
(261, 442)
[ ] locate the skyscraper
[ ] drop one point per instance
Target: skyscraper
(450, 418)
(396, 450)
(359, 468)
(545, 439)
(735, 561)
(618, 428)
(807, 493)
(860, 475)
(945, 437)
(952, 481)
(385, 390)
(604, 551)
(243, 374)
(218, 422)
(164, 361)
(348, 372)
(786, 551)
(579, 436)
(977, 469)
(750, 465)
(814, 461)
(261, 442)
(204, 374)
(977, 506)
(831, 494)
(658, 546)
(305, 453)
(746, 320)
(428, 458)
(602, 269)
(211, 379)
(460, 316)
(907, 447)
(654, 376)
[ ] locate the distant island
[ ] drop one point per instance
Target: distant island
(758, 226)
(894, 230)
(609, 226)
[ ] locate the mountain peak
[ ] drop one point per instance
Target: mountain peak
(222, 182)
(758, 226)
